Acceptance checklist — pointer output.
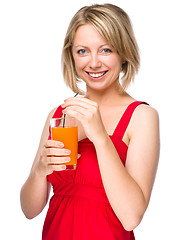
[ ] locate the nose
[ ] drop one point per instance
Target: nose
(95, 61)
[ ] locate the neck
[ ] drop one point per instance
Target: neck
(105, 97)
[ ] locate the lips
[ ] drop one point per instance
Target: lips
(96, 74)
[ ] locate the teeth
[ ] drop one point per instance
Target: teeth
(96, 75)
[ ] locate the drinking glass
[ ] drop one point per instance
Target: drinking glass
(65, 130)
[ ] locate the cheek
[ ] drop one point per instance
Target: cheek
(116, 66)
(115, 63)
(79, 64)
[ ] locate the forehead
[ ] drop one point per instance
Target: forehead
(86, 35)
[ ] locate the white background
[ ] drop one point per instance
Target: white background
(31, 83)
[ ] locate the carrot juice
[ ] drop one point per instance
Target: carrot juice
(68, 135)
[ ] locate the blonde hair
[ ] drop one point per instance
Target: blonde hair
(114, 25)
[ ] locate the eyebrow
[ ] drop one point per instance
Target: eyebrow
(87, 47)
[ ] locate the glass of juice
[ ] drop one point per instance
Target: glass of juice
(65, 130)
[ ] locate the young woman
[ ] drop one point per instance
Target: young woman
(108, 194)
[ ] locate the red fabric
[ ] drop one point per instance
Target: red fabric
(58, 113)
(79, 208)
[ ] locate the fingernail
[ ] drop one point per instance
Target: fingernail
(67, 159)
(67, 151)
(63, 167)
(61, 144)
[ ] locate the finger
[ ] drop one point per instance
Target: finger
(80, 114)
(54, 144)
(57, 152)
(84, 102)
(79, 98)
(63, 167)
(77, 113)
(77, 109)
(76, 103)
(56, 168)
(78, 156)
(58, 160)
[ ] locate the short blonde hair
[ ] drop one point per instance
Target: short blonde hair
(114, 25)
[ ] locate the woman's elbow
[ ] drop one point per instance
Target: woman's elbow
(30, 214)
(131, 223)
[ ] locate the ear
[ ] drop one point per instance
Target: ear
(123, 61)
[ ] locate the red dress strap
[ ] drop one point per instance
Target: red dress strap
(57, 114)
(125, 119)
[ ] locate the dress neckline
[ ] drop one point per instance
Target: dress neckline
(86, 139)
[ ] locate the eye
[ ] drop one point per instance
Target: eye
(106, 50)
(81, 52)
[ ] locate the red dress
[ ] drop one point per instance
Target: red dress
(79, 208)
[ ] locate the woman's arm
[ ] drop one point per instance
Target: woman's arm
(129, 188)
(35, 192)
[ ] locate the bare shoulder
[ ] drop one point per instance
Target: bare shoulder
(144, 117)
(51, 113)
(144, 112)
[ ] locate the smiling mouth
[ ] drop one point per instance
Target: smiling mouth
(96, 75)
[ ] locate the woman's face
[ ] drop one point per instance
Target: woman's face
(96, 62)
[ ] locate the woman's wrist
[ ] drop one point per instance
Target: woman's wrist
(102, 140)
(37, 173)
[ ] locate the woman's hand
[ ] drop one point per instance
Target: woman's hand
(87, 113)
(52, 158)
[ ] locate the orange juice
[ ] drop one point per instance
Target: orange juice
(69, 137)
